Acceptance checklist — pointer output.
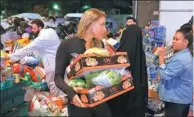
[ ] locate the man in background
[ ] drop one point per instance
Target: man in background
(130, 21)
(46, 43)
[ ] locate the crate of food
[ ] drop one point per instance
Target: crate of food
(89, 62)
(97, 94)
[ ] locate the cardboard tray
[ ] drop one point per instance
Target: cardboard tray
(97, 95)
(88, 62)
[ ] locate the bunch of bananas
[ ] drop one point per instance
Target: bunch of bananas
(98, 52)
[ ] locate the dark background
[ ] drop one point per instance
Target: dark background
(12, 7)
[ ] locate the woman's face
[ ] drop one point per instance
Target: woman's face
(179, 41)
(98, 28)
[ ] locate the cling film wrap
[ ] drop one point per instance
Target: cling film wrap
(96, 87)
(101, 77)
(102, 80)
(109, 78)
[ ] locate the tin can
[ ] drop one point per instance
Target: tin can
(17, 78)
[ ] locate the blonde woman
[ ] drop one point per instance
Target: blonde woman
(91, 30)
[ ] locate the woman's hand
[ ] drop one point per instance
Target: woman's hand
(161, 53)
(77, 102)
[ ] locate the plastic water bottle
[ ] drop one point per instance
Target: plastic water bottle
(152, 71)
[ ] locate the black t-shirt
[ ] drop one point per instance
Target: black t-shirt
(67, 50)
(1, 46)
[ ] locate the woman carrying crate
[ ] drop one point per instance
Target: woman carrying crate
(91, 30)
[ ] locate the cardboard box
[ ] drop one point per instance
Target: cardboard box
(113, 44)
(153, 94)
(89, 62)
(97, 95)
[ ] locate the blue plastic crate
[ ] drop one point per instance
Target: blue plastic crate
(11, 92)
(19, 111)
(7, 105)
(3, 85)
(9, 83)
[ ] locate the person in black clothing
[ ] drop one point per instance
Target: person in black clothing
(90, 30)
(133, 103)
(130, 21)
(52, 18)
(188, 27)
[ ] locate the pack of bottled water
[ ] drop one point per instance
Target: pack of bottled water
(153, 38)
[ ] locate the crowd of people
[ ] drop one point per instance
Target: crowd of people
(176, 77)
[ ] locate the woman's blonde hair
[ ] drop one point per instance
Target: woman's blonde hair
(88, 17)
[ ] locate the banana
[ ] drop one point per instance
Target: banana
(97, 51)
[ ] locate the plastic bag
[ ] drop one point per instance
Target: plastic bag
(29, 94)
(100, 77)
(45, 111)
(9, 35)
(64, 112)
(109, 78)
(30, 61)
(102, 80)
(155, 105)
(122, 71)
(35, 106)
